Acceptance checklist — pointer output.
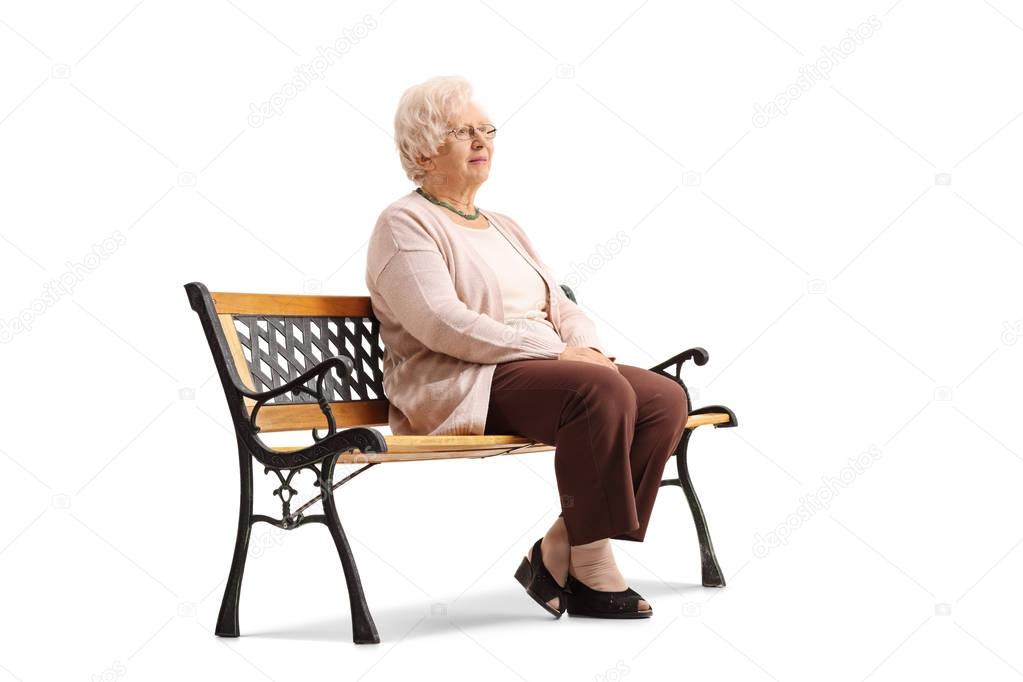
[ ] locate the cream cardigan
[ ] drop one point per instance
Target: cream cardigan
(442, 321)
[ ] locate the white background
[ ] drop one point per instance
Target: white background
(852, 267)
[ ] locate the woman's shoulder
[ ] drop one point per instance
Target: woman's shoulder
(406, 207)
(403, 225)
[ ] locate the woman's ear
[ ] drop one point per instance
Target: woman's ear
(425, 162)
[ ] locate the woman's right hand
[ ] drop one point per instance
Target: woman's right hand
(587, 354)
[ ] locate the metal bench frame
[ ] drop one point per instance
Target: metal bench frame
(343, 386)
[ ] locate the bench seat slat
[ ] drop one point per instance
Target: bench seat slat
(422, 448)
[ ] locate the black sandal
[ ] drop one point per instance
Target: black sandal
(539, 583)
(585, 601)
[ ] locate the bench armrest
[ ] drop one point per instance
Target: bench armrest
(697, 355)
(321, 370)
(361, 438)
(298, 383)
(333, 441)
(672, 368)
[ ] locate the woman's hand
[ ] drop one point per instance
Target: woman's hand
(587, 354)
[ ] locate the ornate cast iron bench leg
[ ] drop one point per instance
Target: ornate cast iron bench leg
(711, 572)
(364, 630)
(672, 368)
(227, 621)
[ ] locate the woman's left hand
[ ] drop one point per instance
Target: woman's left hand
(609, 361)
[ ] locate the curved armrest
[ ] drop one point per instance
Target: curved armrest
(321, 370)
(697, 355)
(299, 381)
(674, 364)
(700, 357)
(333, 442)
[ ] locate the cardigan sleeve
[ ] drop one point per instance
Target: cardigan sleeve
(416, 285)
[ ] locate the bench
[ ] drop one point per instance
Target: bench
(297, 362)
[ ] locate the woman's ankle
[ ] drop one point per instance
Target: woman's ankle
(555, 549)
(593, 564)
(596, 544)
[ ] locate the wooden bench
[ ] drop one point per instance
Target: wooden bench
(296, 362)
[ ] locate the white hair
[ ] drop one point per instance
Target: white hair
(424, 116)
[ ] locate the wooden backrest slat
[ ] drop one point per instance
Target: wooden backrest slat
(307, 416)
(302, 305)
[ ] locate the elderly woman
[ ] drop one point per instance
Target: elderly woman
(480, 338)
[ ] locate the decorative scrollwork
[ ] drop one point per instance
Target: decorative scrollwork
(287, 493)
(322, 470)
(324, 408)
(284, 490)
(365, 440)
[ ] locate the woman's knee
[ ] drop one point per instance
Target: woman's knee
(610, 395)
(671, 400)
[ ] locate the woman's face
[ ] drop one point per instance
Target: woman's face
(464, 163)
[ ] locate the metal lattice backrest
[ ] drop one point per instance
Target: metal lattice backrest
(278, 348)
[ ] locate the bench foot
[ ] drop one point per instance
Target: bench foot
(364, 630)
(712, 576)
(227, 621)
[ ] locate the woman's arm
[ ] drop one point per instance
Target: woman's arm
(416, 285)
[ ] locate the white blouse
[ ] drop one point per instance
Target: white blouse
(523, 291)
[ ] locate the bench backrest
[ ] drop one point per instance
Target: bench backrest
(266, 340)
(262, 341)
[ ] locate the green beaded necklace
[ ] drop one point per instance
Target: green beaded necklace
(429, 197)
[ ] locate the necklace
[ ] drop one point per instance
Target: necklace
(429, 197)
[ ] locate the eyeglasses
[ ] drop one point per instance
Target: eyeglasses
(466, 132)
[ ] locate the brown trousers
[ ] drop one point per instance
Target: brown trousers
(613, 433)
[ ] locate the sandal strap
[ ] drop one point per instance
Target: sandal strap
(543, 583)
